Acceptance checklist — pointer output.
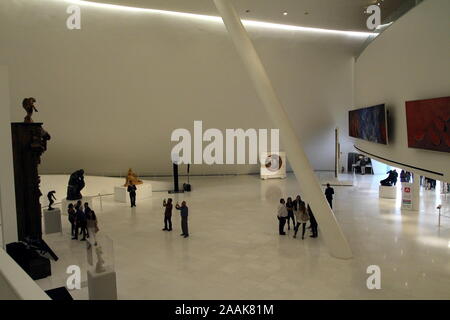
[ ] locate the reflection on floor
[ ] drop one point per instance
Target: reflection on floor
(234, 251)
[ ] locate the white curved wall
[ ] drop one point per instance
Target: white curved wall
(409, 61)
(111, 93)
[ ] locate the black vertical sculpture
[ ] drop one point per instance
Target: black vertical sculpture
(29, 142)
(176, 188)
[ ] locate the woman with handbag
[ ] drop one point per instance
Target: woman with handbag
(301, 215)
(92, 226)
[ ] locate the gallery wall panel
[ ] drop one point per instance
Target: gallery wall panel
(111, 93)
(409, 61)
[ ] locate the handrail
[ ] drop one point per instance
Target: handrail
(96, 196)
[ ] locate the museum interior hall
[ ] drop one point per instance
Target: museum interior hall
(224, 150)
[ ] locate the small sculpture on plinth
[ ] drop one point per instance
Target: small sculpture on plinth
(28, 105)
(391, 180)
(51, 197)
(100, 265)
(132, 179)
(76, 184)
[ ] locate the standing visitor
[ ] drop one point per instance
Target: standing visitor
(184, 218)
(92, 226)
(282, 215)
(301, 216)
(132, 191)
(80, 221)
(329, 191)
(290, 211)
(72, 214)
(313, 221)
(167, 214)
(403, 176)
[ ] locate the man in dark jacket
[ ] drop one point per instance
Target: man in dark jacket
(329, 191)
(132, 191)
(167, 215)
(313, 223)
(80, 221)
(184, 218)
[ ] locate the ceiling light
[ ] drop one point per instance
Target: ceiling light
(216, 19)
(285, 13)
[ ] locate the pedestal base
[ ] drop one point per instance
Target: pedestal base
(143, 191)
(388, 192)
(52, 221)
(65, 203)
(102, 286)
(273, 176)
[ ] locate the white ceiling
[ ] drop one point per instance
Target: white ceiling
(329, 14)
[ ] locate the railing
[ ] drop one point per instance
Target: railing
(100, 196)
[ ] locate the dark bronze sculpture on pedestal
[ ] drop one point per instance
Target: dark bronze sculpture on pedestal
(29, 142)
(28, 105)
(76, 184)
(391, 180)
(51, 197)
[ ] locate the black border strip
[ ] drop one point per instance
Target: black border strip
(421, 169)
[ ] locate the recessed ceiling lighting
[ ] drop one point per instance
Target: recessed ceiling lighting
(216, 19)
(285, 13)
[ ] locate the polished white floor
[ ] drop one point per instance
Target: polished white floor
(235, 252)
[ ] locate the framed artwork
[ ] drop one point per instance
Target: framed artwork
(428, 123)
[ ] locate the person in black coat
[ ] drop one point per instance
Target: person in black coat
(132, 191)
(72, 217)
(329, 191)
(184, 218)
(313, 223)
(80, 221)
(167, 214)
(290, 211)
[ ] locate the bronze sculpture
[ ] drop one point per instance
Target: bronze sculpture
(51, 197)
(391, 180)
(28, 105)
(76, 184)
(132, 179)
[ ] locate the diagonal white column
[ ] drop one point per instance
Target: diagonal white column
(330, 230)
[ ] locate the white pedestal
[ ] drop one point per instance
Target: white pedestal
(102, 286)
(52, 221)
(143, 191)
(65, 203)
(411, 196)
(388, 192)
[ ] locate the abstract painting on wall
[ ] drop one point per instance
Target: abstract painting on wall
(369, 124)
(428, 124)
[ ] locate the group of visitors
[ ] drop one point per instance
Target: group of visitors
(429, 184)
(184, 212)
(405, 176)
(299, 213)
(83, 221)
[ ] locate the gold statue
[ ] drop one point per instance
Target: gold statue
(132, 178)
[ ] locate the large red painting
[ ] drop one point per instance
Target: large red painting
(428, 124)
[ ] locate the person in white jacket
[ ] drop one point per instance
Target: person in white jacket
(282, 216)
